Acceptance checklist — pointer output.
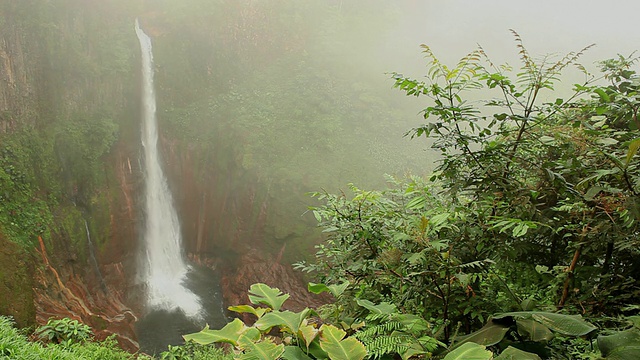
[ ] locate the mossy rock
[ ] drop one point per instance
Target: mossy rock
(16, 283)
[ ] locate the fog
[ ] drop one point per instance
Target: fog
(453, 28)
(258, 103)
(335, 50)
(298, 94)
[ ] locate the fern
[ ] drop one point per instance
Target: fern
(375, 318)
(372, 332)
(387, 344)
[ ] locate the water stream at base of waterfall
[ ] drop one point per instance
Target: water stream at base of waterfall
(160, 328)
(179, 298)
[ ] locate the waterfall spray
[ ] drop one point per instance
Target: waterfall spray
(164, 267)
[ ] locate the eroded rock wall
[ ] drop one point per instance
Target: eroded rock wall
(68, 84)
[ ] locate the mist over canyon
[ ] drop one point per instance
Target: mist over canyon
(156, 156)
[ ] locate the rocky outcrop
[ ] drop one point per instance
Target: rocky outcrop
(63, 293)
(256, 267)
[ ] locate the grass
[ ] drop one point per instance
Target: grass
(15, 345)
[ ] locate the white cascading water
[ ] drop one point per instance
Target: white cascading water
(165, 269)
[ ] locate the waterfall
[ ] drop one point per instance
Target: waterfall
(164, 266)
(92, 258)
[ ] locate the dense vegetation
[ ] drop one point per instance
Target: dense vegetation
(62, 112)
(68, 339)
(530, 218)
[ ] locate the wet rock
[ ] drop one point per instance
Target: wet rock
(256, 267)
(63, 294)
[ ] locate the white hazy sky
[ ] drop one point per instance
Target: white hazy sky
(454, 27)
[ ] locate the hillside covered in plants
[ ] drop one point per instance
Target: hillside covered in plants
(522, 244)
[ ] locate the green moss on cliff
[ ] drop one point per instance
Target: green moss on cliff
(16, 283)
(72, 61)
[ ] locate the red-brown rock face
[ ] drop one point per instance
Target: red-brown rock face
(225, 213)
(101, 298)
(254, 267)
(102, 309)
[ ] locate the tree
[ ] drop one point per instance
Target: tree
(533, 198)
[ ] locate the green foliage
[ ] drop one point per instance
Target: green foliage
(392, 245)
(526, 327)
(335, 290)
(386, 331)
(383, 331)
(533, 199)
(470, 351)
(24, 214)
(623, 344)
(230, 333)
(571, 325)
(254, 343)
(332, 341)
(64, 331)
(263, 294)
(511, 353)
(15, 345)
(80, 144)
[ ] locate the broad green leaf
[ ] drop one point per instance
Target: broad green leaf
(251, 334)
(593, 192)
(620, 346)
(533, 330)
(470, 351)
(602, 94)
(331, 341)
(412, 323)
(317, 288)
(511, 353)
(382, 308)
(571, 325)
(294, 353)
(264, 294)
(335, 290)
(307, 333)
(317, 215)
(230, 333)
(547, 140)
(635, 320)
(530, 303)
(520, 229)
(258, 312)
(417, 203)
(316, 351)
(410, 352)
(606, 141)
(490, 334)
(633, 149)
(264, 350)
(439, 221)
(283, 319)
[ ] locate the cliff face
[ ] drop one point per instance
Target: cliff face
(16, 72)
(229, 221)
(16, 283)
(68, 156)
(70, 176)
